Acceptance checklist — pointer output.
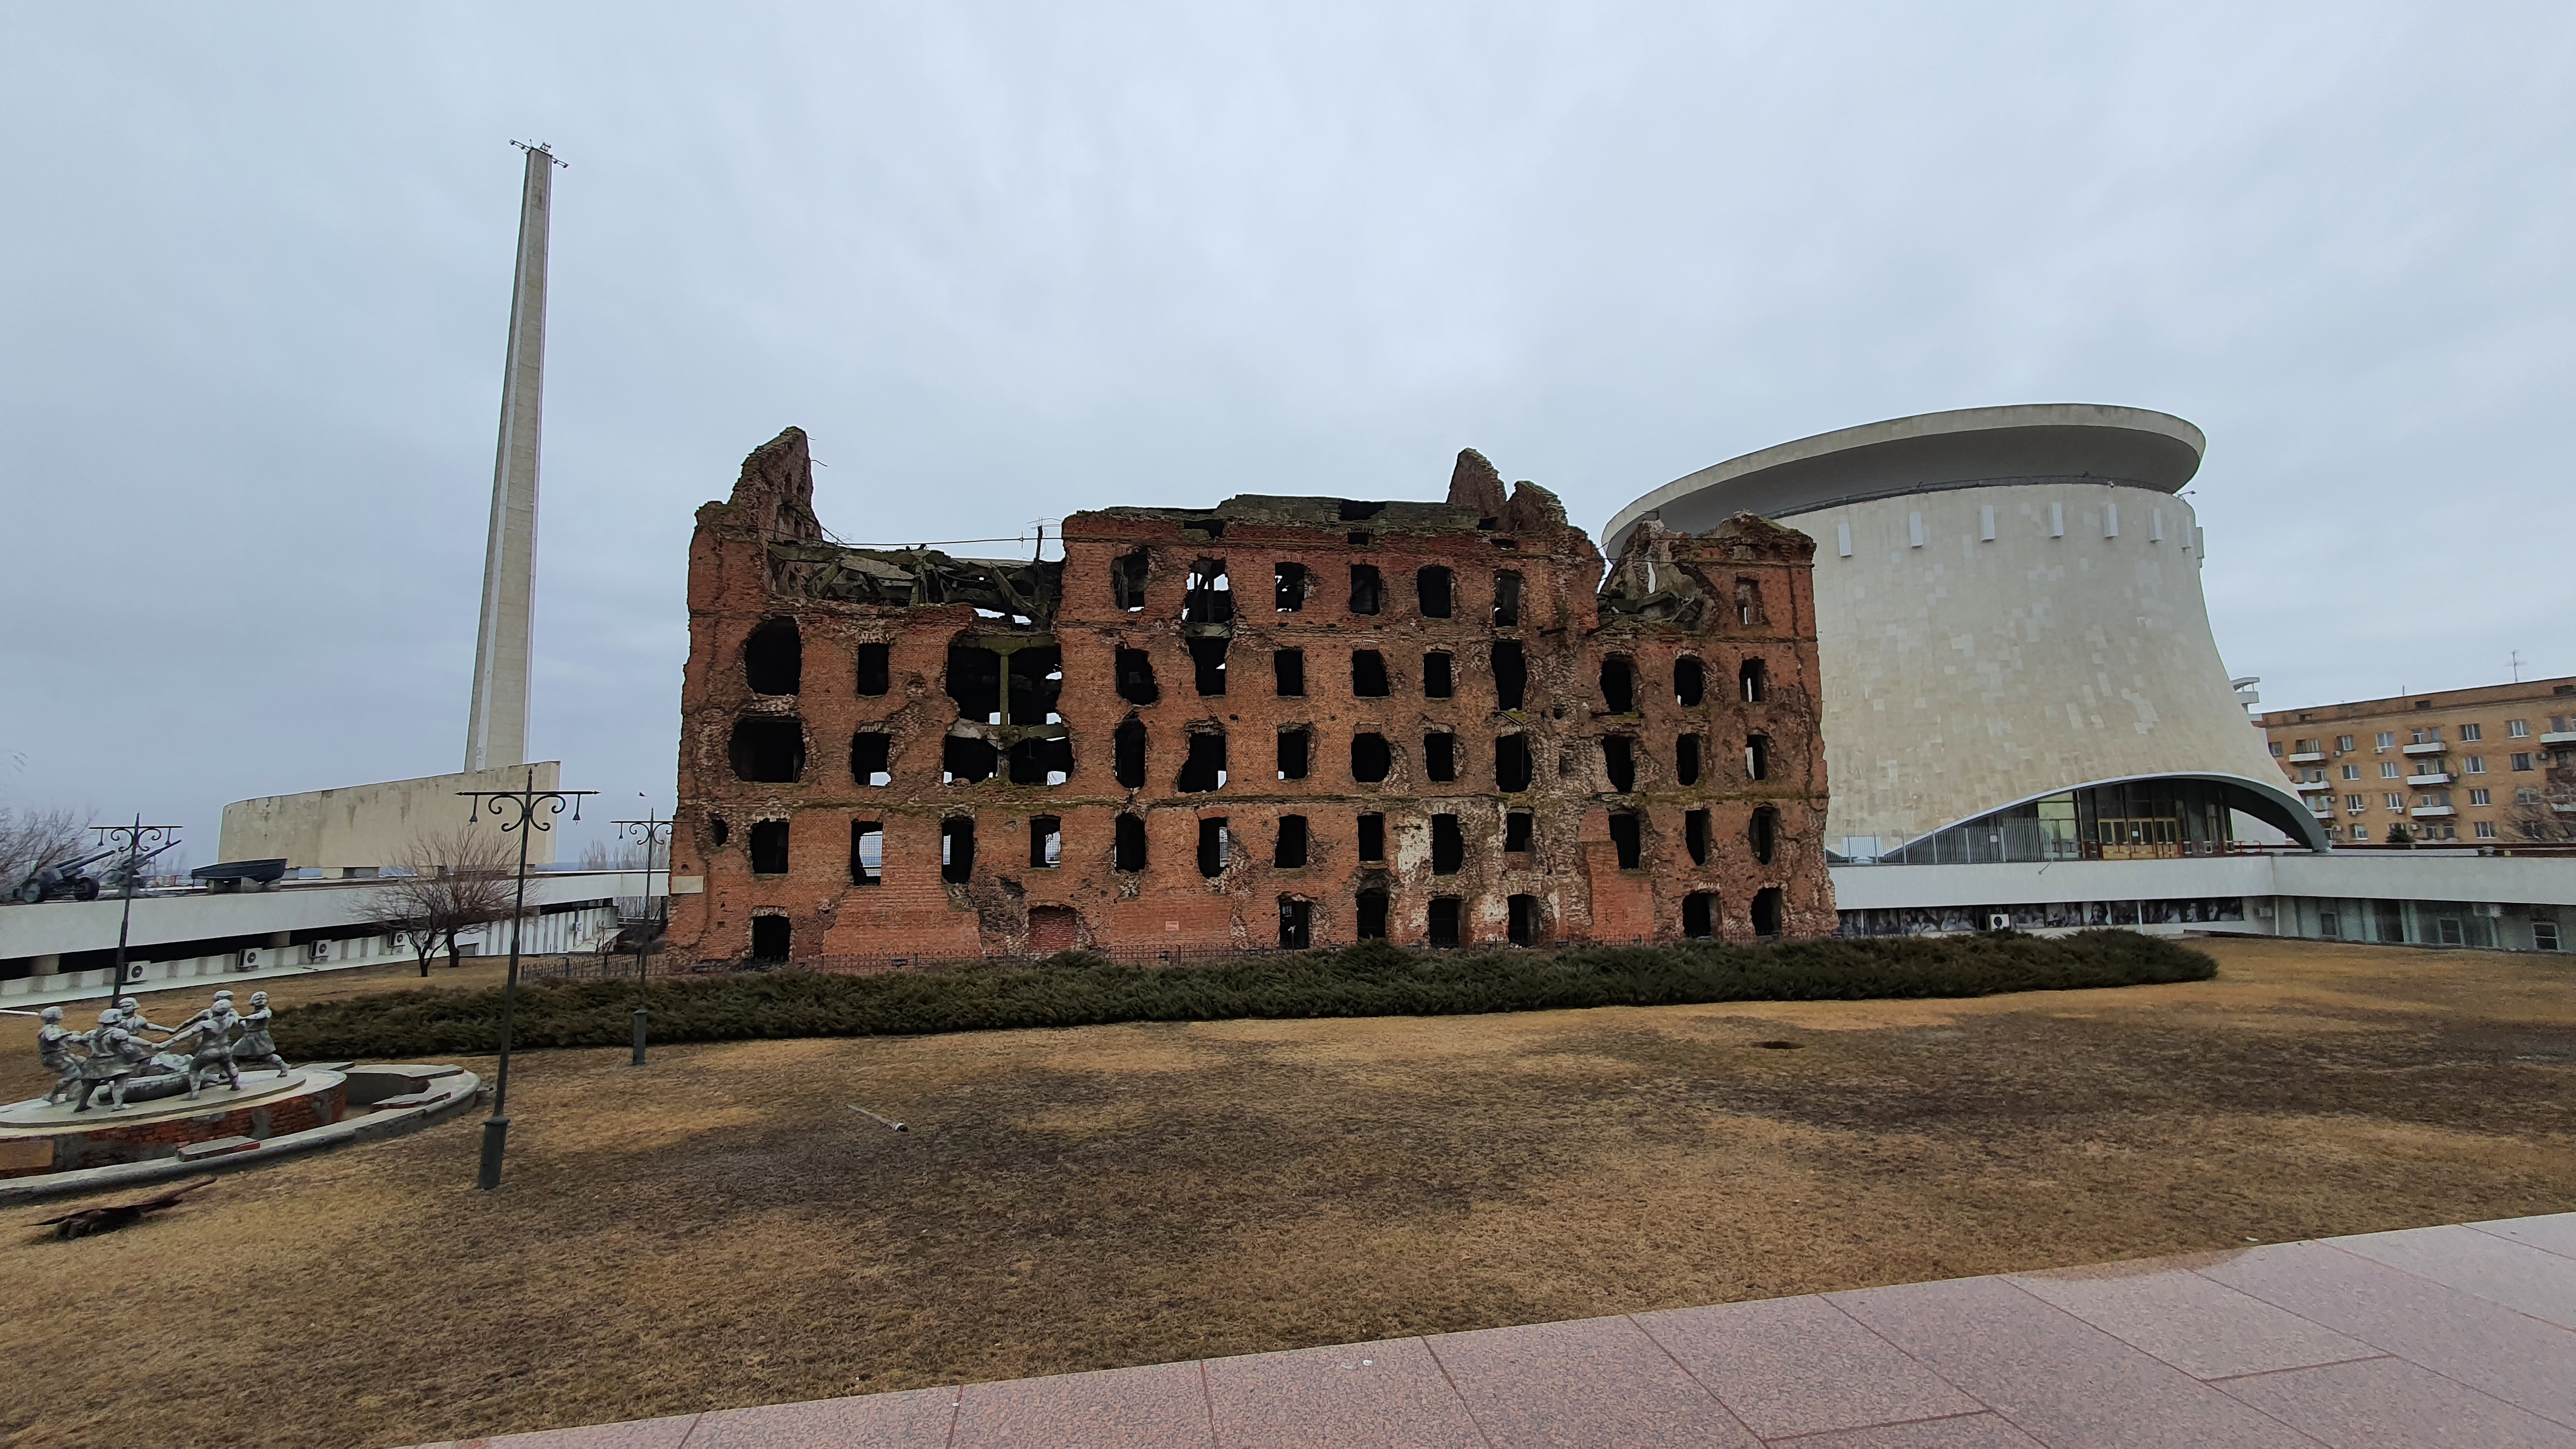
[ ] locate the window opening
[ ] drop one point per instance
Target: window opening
(975, 683)
(1127, 847)
(1699, 916)
(769, 847)
(1511, 675)
(773, 658)
(1210, 599)
(1519, 830)
(1127, 749)
(1294, 748)
(957, 849)
(1440, 757)
(1204, 769)
(1748, 602)
(1432, 590)
(1368, 591)
(1368, 674)
(1372, 915)
(1521, 922)
(1507, 599)
(867, 852)
(871, 760)
(1619, 761)
(1754, 677)
(1686, 759)
(768, 749)
(1512, 763)
(1213, 845)
(1372, 836)
(1032, 680)
(1288, 669)
(1209, 657)
(1135, 669)
(1757, 757)
(1436, 682)
(718, 831)
(1288, 852)
(1445, 914)
(1619, 685)
(1370, 758)
(1042, 761)
(1448, 845)
(874, 676)
(1690, 682)
(964, 760)
(771, 937)
(1352, 510)
(1127, 580)
(1046, 842)
(1294, 922)
(1766, 911)
(1764, 834)
(1627, 837)
(1289, 588)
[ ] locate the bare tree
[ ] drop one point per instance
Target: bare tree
(33, 838)
(2546, 814)
(451, 881)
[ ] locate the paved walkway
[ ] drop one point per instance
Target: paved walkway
(2434, 1336)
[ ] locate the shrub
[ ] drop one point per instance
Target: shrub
(1371, 979)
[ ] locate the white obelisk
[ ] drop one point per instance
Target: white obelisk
(496, 734)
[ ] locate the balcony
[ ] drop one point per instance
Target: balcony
(2307, 786)
(2428, 812)
(2316, 757)
(2559, 738)
(2437, 777)
(2429, 747)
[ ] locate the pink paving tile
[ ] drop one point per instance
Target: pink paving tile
(1391, 1392)
(2555, 1233)
(2057, 1378)
(1594, 1381)
(2387, 1403)
(2204, 1328)
(635, 1434)
(919, 1419)
(1137, 1408)
(2484, 1345)
(1967, 1431)
(1801, 1366)
(2516, 1275)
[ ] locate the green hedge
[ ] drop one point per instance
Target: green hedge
(1373, 979)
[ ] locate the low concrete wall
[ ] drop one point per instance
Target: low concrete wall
(360, 826)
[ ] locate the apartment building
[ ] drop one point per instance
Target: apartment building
(2494, 765)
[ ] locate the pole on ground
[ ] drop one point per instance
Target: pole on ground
(653, 830)
(521, 806)
(133, 837)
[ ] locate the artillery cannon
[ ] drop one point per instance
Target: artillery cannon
(63, 879)
(114, 876)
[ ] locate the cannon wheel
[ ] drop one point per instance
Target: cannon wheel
(87, 890)
(32, 892)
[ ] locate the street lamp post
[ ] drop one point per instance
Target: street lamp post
(133, 837)
(526, 801)
(652, 831)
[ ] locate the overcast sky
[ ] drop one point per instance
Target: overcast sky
(1004, 262)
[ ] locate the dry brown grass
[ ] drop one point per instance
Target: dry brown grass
(723, 1229)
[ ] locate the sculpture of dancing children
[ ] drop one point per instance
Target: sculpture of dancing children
(54, 1043)
(255, 1044)
(134, 1022)
(113, 1054)
(213, 1054)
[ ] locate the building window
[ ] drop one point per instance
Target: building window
(773, 658)
(1521, 921)
(2522, 762)
(1445, 914)
(867, 852)
(1213, 846)
(767, 749)
(1135, 671)
(1371, 923)
(1368, 592)
(2478, 797)
(2355, 803)
(2277, 750)
(1288, 672)
(1695, 835)
(1511, 675)
(1440, 757)
(1512, 764)
(1619, 762)
(1127, 580)
(1127, 753)
(1436, 682)
(1768, 904)
(2352, 772)
(874, 678)
(1210, 599)
(1370, 758)
(2396, 802)
(1372, 836)
(1046, 842)
(2342, 743)
(769, 847)
(1764, 834)
(1507, 599)
(1699, 915)
(964, 760)
(1757, 757)
(957, 849)
(1618, 685)
(2477, 765)
(2361, 832)
(1207, 657)
(1431, 589)
(2428, 736)
(2388, 770)
(1293, 752)
(1686, 759)
(2387, 740)
(1204, 769)
(1288, 852)
(1628, 838)
(869, 759)
(1519, 826)
(2486, 830)
(1289, 589)
(1127, 847)
(2470, 733)
(1368, 674)
(771, 938)
(1690, 682)
(1294, 917)
(1448, 845)
(2518, 729)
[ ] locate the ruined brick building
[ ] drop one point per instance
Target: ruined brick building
(1274, 722)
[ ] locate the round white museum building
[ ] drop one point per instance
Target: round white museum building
(2017, 663)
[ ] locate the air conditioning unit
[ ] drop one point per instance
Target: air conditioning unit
(249, 960)
(317, 951)
(1999, 921)
(133, 973)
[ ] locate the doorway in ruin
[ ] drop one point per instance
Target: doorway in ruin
(1053, 929)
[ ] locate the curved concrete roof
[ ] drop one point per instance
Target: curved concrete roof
(1929, 452)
